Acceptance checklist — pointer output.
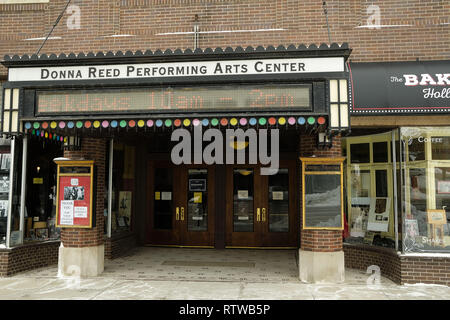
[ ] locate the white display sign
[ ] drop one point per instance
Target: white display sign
(277, 195)
(166, 195)
(74, 182)
(67, 212)
(242, 194)
(80, 212)
(179, 69)
(379, 214)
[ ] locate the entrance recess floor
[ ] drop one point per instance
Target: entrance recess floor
(182, 273)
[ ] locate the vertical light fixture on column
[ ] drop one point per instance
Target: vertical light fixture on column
(339, 111)
(11, 125)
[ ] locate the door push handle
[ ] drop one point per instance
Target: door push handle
(177, 213)
(258, 214)
(182, 213)
(263, 214)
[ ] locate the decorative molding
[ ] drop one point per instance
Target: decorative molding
(343, 50)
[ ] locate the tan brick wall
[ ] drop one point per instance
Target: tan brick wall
(422, 30)
(91, 149)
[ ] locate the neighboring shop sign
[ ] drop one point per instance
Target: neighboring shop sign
(179, 69)
(401, 87)
(74, 194)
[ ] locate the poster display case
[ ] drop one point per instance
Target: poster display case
(74, 208)
(323, 189)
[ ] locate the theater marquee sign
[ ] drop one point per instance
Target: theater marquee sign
(179, 69)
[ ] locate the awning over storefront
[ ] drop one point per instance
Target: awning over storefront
(400, 87)
(290, 87)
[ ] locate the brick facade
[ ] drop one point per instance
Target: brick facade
(91, 149)
(319, 240)
(399, 268)
(362, 256)
(425, 270)
(420, 32)
(27, 257)
(119, 245)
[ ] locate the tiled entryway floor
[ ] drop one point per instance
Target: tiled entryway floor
(206, 265)
(182, 273)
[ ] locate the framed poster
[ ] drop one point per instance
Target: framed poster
(412, 228)
(436, 216)
(443, 187)
(322, 193)
(125, 204)
(74, 204)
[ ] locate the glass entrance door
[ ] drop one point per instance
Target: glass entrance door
(181, 205)
(261, 210)
(164, 226)
(197, 206)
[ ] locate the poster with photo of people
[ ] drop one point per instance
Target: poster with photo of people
(73, 193)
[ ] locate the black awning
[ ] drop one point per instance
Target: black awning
(400, 87)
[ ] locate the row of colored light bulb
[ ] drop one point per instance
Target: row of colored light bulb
(177, 123)
(48, 135)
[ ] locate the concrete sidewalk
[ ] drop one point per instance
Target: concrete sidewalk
(169, 274)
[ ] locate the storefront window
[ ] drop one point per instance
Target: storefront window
(440, 148)
(360, 153)
(426, 194)
(123, 187)
(380, 151)
(40, 206)
(5, 164)
(370, 201)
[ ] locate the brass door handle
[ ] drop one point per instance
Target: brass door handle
(263, 214)
(182, 213)
(177, 213)
(258, 214)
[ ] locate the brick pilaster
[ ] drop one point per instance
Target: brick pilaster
(92, 149)
(319, 240)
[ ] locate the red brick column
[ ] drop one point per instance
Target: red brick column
(320, 240)
(321, 256)
(91, 149)
(82, 251)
